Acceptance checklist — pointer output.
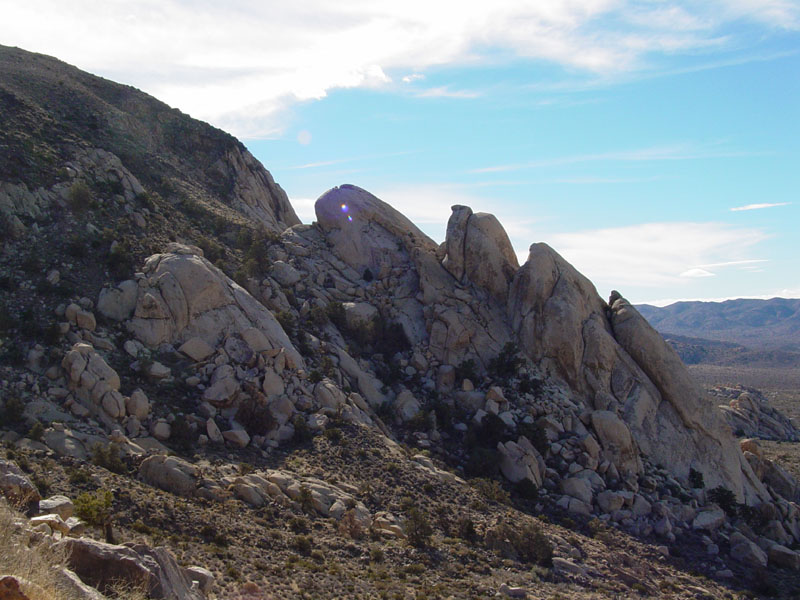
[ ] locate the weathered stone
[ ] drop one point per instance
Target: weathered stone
(196, 348)
(237, 437)
(60, 505)
(138, 405)
(273, 384)
(519, 460)
(747, 552)
(781, 556)
(118, 303)
(16, 487)
(406, 406)
(577, 488)
(709, 520)
(170, 473)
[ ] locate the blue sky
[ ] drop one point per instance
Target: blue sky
(624, 134)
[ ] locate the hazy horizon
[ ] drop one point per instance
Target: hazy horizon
(653, 145)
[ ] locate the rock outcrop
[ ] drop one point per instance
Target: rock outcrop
(183, 296)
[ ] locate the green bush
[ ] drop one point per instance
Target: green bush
(121, 261)
(696, 479)
(725, 498)
(302, 543)
(491, 490)
(507, 363)
(108, 457)
(418, 529)
(522, 541)
(95, 508)
(467, 369)
(36, 432)
(79, 197)
(13, 410)
(255, 416)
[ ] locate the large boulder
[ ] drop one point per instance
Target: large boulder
(479, 251)
(184, 296)
(106, 566)
(170, 474)
(365, 232)
(519, 460)
(118, 303)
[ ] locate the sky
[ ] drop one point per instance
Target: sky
(654, 144)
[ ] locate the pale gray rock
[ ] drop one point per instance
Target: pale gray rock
(709, 520)
(406, 406)
(782, 556)
(617, 442)
(479, 251)
(170, 474)
(519, 460)
(579, 488)
(184, 296)
(237, 437)
(60, 505)
(747, 552)
(138, 405)
(118, 303)
(196, 349)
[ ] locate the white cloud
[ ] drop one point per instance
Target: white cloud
(759, 206)
(682, 151)
(656, 254)
(446, 92)
(695, 273)
(240, 64)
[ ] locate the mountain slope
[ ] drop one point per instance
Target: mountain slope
(760, 324)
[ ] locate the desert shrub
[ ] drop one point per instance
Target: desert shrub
(491, 490)
(527, 489)
(507, 363)
(13, 410)
(467, 369)
(255, 416)
(530, 385)
(318, 316)
(108, 457)
(725, 498)
(95, 508)
(302, 432)
(79, 197)
(120, 261)
(287, 322)
(298, 524)
(333, 435)
(182, 434)
(350, 526)
(696, 479)
(315, 376)
(521, 541)
(336, 315)
(536, 436)
(256, 255)
(302, 543)
(76, 246)
(306, 499)
(367, 276)
(376, 555)
(465, 529)
(78, 476)
(418, 529)
(482, 462)
(486, 434)
(36, 432)
(212, 250)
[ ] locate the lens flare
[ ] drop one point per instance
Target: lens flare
(349, 218)
(345, 208)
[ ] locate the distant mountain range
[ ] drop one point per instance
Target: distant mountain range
(763, 332)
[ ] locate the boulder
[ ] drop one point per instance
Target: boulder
(709, 519)
(478, 250)
(781, 556)
(617, 442)
(579, 488)
(138, 405)
(59, 505)
(118, 303)
(747, 552)
(184, 296)
(519, 460)
(16, 487)
(196, 348)
(237, 437)
(105, 566)
(406, 406)
(170, 474)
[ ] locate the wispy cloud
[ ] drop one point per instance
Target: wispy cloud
(338, 161)
(656, 254)
(446, 92)
(285, 53)
(759, 206)
(684, 151)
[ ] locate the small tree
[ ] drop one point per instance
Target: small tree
(418, 529)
